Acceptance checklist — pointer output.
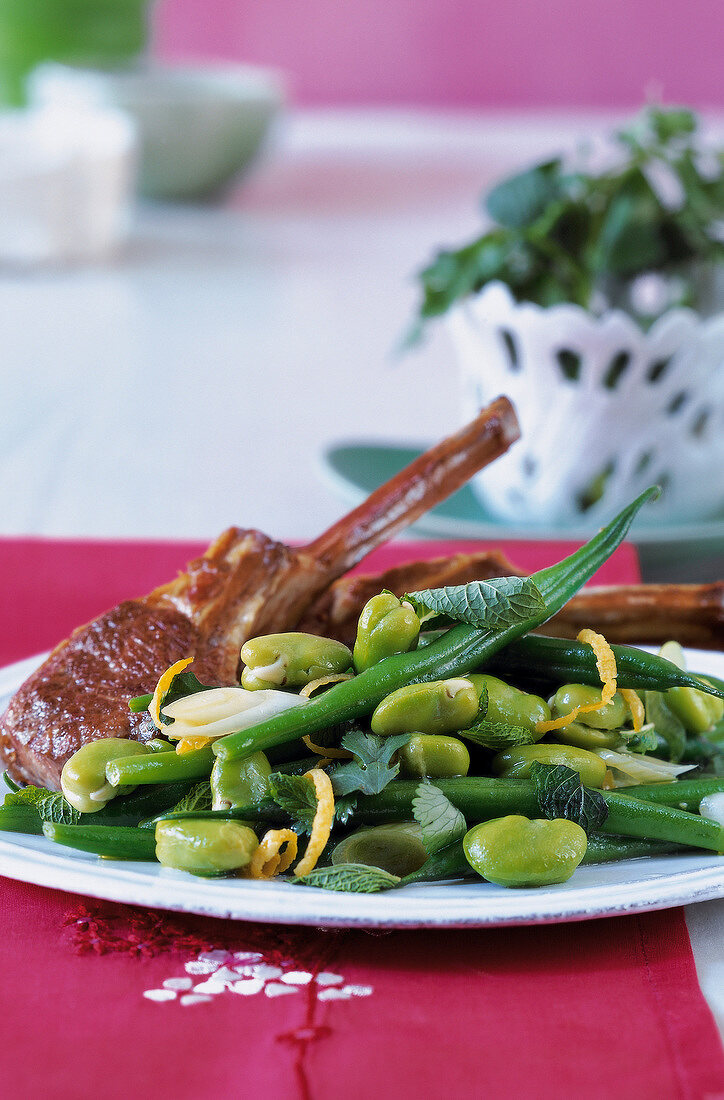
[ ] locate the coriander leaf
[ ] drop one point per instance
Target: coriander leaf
(644, 740)
(51, 805)
(198, 798)
(561, 794)
(370, 771)
(351, 878)
(497, 736)
(490, 605)
(296, 795)
(440, 821)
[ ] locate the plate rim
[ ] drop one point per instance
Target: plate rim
(32, 859)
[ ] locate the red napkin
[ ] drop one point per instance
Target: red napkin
(100, 999)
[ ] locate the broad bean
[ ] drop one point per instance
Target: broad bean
(387, 625)
(83, 779)
(434, 756)
(440, 706)
(291, 660)
(240, 782)
(516, 763)
(509, 706)
(611, 716)
(396, 848)
(205, 847)
(515, 851)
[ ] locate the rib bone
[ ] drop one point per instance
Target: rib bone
(245, 584)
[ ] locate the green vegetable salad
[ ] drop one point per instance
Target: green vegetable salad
(451, 742)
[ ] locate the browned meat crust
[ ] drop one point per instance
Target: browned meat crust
(693, 614)
(245, 584)
(337, 610)
(643, 613)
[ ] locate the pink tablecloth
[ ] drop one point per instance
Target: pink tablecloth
(100, 999)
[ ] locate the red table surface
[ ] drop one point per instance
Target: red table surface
(606, 1008)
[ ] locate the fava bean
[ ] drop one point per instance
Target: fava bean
(440, 706)
(205, 847)
(433, 756)
(291, 660)
(696, 711)
(515, 851)
(83, 779)
(516, 763)
(240, 782)
(586, 737)
(396, 848)
(508, 706)
(611, 716)
(386, 626)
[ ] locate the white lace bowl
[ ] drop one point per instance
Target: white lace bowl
(605, 408)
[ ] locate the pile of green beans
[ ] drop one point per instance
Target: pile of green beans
(455, 700)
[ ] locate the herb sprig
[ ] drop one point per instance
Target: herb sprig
(571, 235)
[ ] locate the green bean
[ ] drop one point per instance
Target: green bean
(266, 812)
(481, 799)
(461, 649)
(565, 661)
(160, 767)
(21, 818)
(110, 841)
(610, 849)
(450, 862)
(477, 797)
(132, 808)
(685, 794)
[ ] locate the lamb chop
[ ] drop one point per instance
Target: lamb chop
(245, 584)
(643, 613)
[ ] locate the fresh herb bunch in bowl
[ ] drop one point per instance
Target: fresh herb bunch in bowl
(592, 300)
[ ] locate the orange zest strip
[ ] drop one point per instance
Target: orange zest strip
(266, 861)
(162, 687)
(331, 754)
(606, 665)
(633, 701)
(333, 678)
(192, 744)
(322, 824)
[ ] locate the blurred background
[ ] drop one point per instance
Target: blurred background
(213, 217)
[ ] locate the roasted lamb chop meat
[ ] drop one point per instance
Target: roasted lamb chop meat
(693, 614)
(245, 584)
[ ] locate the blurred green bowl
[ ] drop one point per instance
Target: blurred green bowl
(200, 128)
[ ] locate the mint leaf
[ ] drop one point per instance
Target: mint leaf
(296, 795)
(490, 605)
(198, 798)
(497, 736)
(561, 794)
(370, 771)
(350, 878)
(520, 199)
(441, 823)
(51, 805)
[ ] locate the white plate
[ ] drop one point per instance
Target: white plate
(596, 891)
